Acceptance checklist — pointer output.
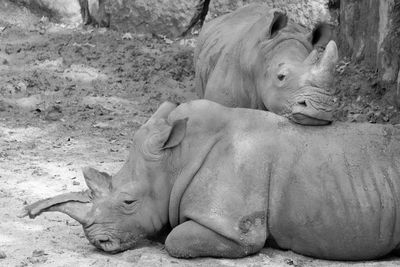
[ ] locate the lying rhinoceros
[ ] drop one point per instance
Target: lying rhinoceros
(228, 180)
(255, 58)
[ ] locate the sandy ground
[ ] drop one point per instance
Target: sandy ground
(74, 97)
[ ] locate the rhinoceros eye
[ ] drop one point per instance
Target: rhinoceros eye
(129, 202)
(281, 77)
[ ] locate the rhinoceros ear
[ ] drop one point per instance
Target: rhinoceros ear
(163, 111)
(177, 134)
(168, 136)
(321, 34)
(278, 22)
(98, 182)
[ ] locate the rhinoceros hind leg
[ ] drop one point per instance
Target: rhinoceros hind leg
(190, 239)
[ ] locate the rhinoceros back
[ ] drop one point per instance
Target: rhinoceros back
(223, 44)
(336, 194)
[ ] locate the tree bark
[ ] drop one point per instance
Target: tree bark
(370, 33)
(199, 15)
(86, 19)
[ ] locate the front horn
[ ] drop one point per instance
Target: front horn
(77, 205)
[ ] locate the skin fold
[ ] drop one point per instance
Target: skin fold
(226, 180)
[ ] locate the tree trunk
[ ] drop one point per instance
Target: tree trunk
(370, 33)
(199, 15)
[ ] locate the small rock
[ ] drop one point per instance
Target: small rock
(76, 183)
(167, 40)
(127, 36)
(102, 125)
(2, 255)
(44, 19)
(28, 103)
(21, 87)
(102, 30)
(289, 261)
(53, 113)
(38, 253)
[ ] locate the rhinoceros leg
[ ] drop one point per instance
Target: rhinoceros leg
(190, 239)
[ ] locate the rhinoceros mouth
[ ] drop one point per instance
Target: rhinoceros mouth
(313, 107)
(307, 120)
(107, 243)
(306, 113)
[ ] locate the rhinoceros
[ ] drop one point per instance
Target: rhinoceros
(256, 58)
(229, 181)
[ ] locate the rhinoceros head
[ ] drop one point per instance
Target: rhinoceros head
(296, 80)
(117, 212)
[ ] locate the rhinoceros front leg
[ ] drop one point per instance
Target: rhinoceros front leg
(190, 239)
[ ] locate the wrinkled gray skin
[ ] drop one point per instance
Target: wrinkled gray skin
(227, 180)
(256, 58)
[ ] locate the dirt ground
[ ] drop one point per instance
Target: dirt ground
(74, 97)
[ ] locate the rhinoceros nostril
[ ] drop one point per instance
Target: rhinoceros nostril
(107, 244)
(101, 240)
(302, 103)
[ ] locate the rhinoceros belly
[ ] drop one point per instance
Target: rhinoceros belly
(340, 204)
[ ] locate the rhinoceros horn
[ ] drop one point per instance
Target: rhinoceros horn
(312, 58)
(76, 204)
(328, 60)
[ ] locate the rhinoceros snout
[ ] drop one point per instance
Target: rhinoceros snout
(105, 243)
(313, 106)
(311, 112)
(108, 245)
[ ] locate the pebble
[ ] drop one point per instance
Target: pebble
(102, 125)
(38, 253)
(53, 113)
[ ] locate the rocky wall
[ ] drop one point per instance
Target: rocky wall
(168, 17)
(65, 11)
(152, 16)
(306, 12)
(171, 17)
